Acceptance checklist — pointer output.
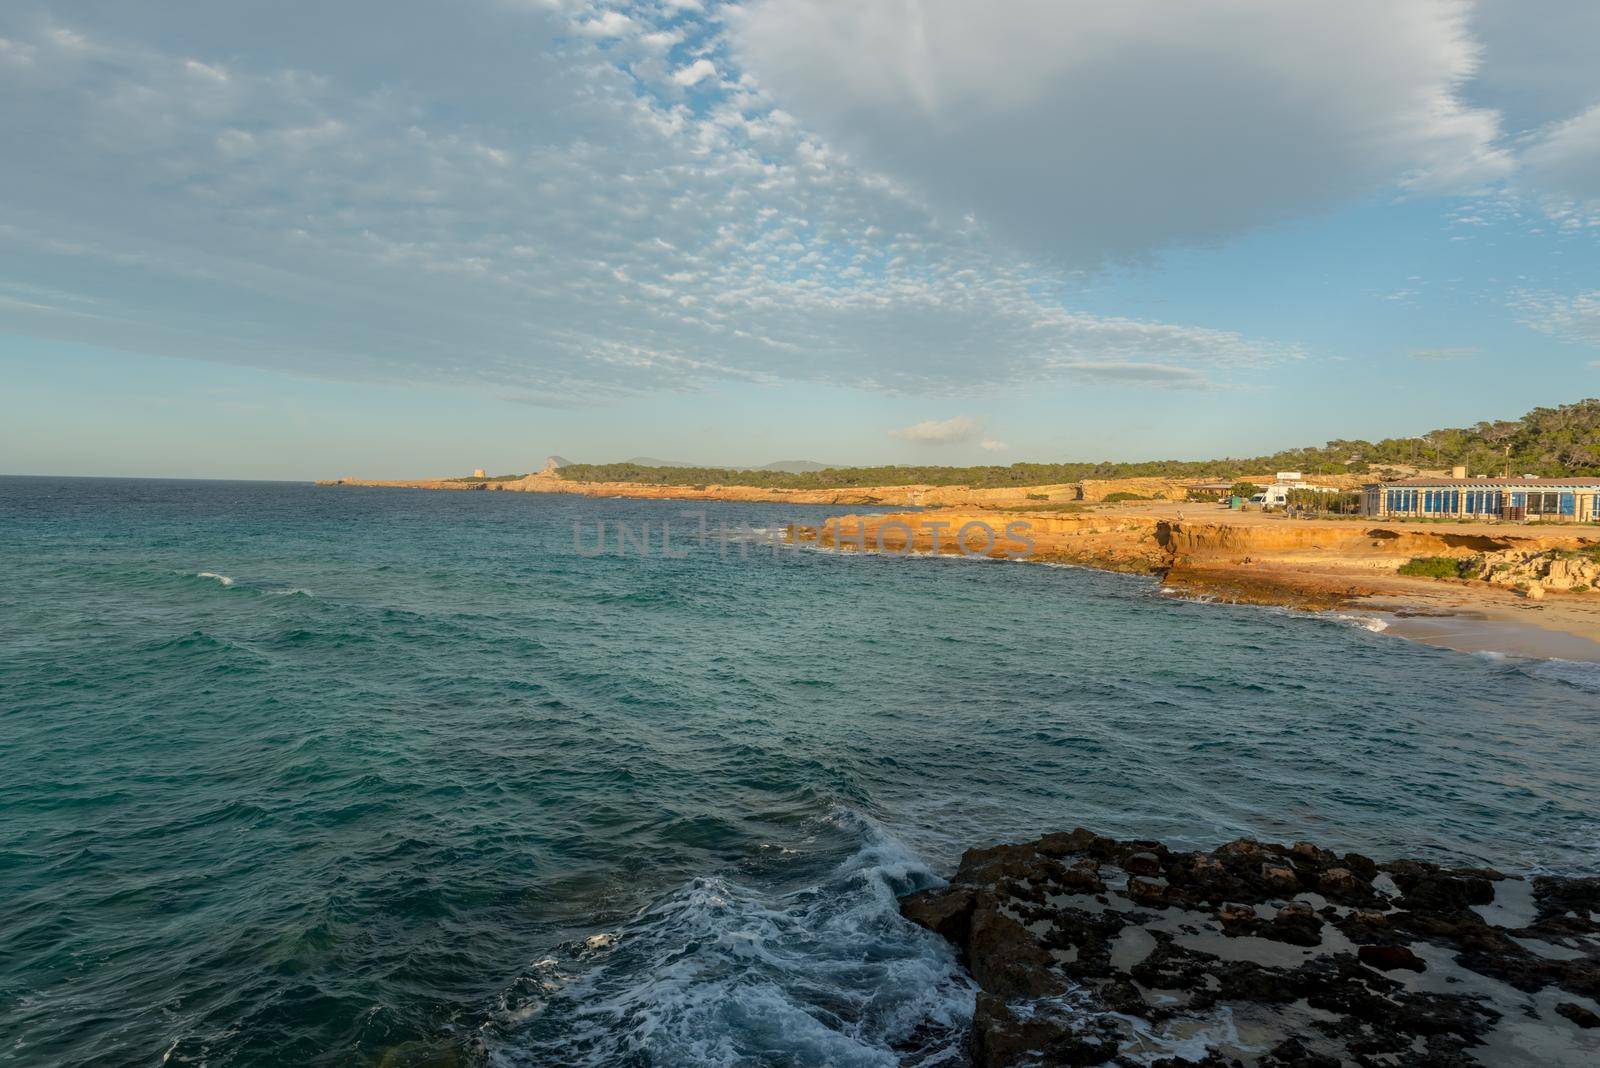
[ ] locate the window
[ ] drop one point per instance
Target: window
(1544, 503)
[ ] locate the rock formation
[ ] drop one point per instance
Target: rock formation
(1093, 951)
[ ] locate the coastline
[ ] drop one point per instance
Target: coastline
(1089, 950)
(1308, 565)
(1201, 551)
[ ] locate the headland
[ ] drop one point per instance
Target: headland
(1519, 589)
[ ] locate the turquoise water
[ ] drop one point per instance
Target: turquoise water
(327, 776)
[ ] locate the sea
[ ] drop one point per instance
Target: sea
(298, 775)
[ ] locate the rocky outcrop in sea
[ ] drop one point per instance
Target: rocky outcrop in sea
(1093, 951)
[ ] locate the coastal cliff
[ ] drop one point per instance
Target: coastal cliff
(1250, 557)
(1091, 951)
(1494, 570)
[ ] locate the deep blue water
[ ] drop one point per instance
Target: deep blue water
(334, 776)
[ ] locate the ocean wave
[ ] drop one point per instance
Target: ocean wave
(1368, 623)
(220, 578)
(1578, 674)
(719, 973)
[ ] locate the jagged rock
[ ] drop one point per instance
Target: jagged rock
(1075, 972)
(1338, 882)
(1389, 958)
(1147, 891)
(1279, 878)
(1006, 958)
(1144, 864)
(1296, 923)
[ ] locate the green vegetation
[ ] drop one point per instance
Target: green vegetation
(490, 478)
(1348, 502)
(1431, 567)
(1553, 442)
(1245, 490)
(1119, 496)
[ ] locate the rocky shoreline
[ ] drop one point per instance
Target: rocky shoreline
(1250, 558)
(1501, 572)
(1092, 951)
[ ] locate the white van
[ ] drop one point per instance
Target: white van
(1272, 497)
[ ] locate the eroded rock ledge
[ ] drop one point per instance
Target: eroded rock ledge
(1093, 951)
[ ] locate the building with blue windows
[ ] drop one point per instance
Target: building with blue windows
(1557, 500)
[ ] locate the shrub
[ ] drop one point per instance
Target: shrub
(1245, 490)
(1431, 567)
(1114, 498)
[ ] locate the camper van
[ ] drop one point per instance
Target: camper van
(1277, 494)
(1272, 497)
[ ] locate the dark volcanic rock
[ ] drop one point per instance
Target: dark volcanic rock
(1388, 958)
(1093, 951)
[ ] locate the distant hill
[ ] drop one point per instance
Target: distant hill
(556, 463)
(1554, 442)
(651, 461)
(791, 467)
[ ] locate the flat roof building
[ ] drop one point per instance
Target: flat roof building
(1557, 500)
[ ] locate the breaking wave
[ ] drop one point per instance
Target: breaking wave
(721, 973)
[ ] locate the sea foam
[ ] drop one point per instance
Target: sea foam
(722, 973)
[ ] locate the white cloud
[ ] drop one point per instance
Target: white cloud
(1159, 375)
(991, 445)
(1089, 130)
(331, 211)
(607, 24)
(1563, 162)
(1575, 319)
(953, 431)
(1538, 64)
(695, 73)
(1444, 353)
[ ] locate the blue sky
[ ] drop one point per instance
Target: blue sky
(384, 239)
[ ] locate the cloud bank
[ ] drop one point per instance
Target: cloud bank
(1091, 131)
(953, 431)
(523, 195)
(574, 202)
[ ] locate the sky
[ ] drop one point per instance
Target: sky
(392, 238)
